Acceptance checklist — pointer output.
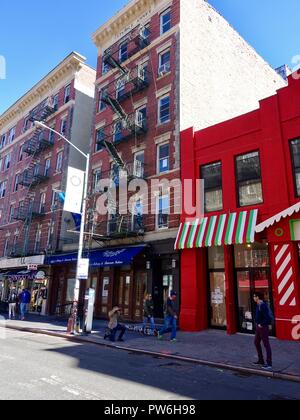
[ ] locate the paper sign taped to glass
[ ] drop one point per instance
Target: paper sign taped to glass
(74, 193)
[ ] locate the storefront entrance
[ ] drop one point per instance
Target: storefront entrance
(255, 277)
(217, 288)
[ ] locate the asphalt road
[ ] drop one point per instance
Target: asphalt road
(35, 367)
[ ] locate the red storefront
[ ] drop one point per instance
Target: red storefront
(248, 238)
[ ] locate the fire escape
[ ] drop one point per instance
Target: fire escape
(126, 126)
(30, 209)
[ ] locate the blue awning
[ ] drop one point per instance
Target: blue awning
(103, 258)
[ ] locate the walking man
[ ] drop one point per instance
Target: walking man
(24, 299)
(264, 319)
(148, 313)
(170, 319)
(12, 303)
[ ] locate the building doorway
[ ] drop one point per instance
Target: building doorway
(249, 282)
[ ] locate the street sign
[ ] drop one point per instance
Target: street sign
(83, 269)
(32, 267)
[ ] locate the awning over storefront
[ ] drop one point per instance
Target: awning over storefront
(278, 217)
(17, 275)
(103, 258)
(225, 229)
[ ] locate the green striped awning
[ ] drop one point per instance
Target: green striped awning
(224, 229)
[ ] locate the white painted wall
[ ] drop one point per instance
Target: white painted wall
(221, 76)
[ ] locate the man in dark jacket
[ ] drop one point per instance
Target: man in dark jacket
(148, 313)
(170, 319)
(263, 322)
(12, 303)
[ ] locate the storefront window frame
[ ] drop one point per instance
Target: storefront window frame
(295, 169)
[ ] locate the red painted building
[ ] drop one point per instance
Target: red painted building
(248, 239)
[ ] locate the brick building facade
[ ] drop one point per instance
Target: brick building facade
(33, 167)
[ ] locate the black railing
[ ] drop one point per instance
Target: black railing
(124, 87)
(31, 210)
(124, 129)
(43, 111)
(34, 176)
(133, 42)
(37, 144)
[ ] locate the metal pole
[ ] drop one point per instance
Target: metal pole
(81, 243)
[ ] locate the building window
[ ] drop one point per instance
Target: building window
(21, 153)
(102, 104)
(16, 187)
(295, 152)
(137, 216)
(42, 207)
(105, 67)
(52, 136)
(165, 22)
(3, 186)
(96, 181)
(249, 179)
(145, 34)
(59, 162)
(11, 214)
(3, 141)
(100, 136)
(164, 65)
(7, 161)
(5, 250)
(56, 102)
(163, 212)
(123, 52)
(12, 134)
(118, 132)
(47, 167)
(63, 126)
(67, 94)
(121, 88)
(37, 245)
(139, 165)
(164, 110)
(213, 194)
(27, 124)
(163, 158)
(50, 236)
(1, 164)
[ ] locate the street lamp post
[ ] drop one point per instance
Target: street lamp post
(82, 224)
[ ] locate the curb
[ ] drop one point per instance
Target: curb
(216, 365)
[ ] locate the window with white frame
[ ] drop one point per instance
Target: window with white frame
(3, 186)
(102, 105)
(165, 21)
(27, 124)
(164, 63)
(100, 136)
(123, 51)
(121, 88)
(59, 162)
(7, 161)
(137, 216)
(118, 132)
(11, 213)
(42, 206)
(164, 112)
(16, 186)
(3, 141)
(163, 158)
(47, 167)
(21, 153)
(163, 212)
(5, 250)
(50, 235)
(52, 135)
(55, 199)
(139, 165)
(63, 126)
(12, 134)
(67, 94)
(96, 181)
(38, 236)
(141, 118)
(105, 67)
(56, 102)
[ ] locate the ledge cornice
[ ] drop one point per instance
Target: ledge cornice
(69, 65)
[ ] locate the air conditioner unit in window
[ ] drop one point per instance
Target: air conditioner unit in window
(164, 69)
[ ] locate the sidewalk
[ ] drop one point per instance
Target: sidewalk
(212, 348)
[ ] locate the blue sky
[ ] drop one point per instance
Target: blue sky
(35, 37)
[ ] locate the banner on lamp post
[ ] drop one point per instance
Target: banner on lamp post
(74, 192)
(83, 269)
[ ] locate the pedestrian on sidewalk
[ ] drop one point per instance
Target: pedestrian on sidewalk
(12, 303)
(148, 313)
(115, 325)
(264, 318)
(171, 318)
(24, 299)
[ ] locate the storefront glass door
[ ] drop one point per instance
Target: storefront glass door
(217, 288)
(249, 282)
(124, 294)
